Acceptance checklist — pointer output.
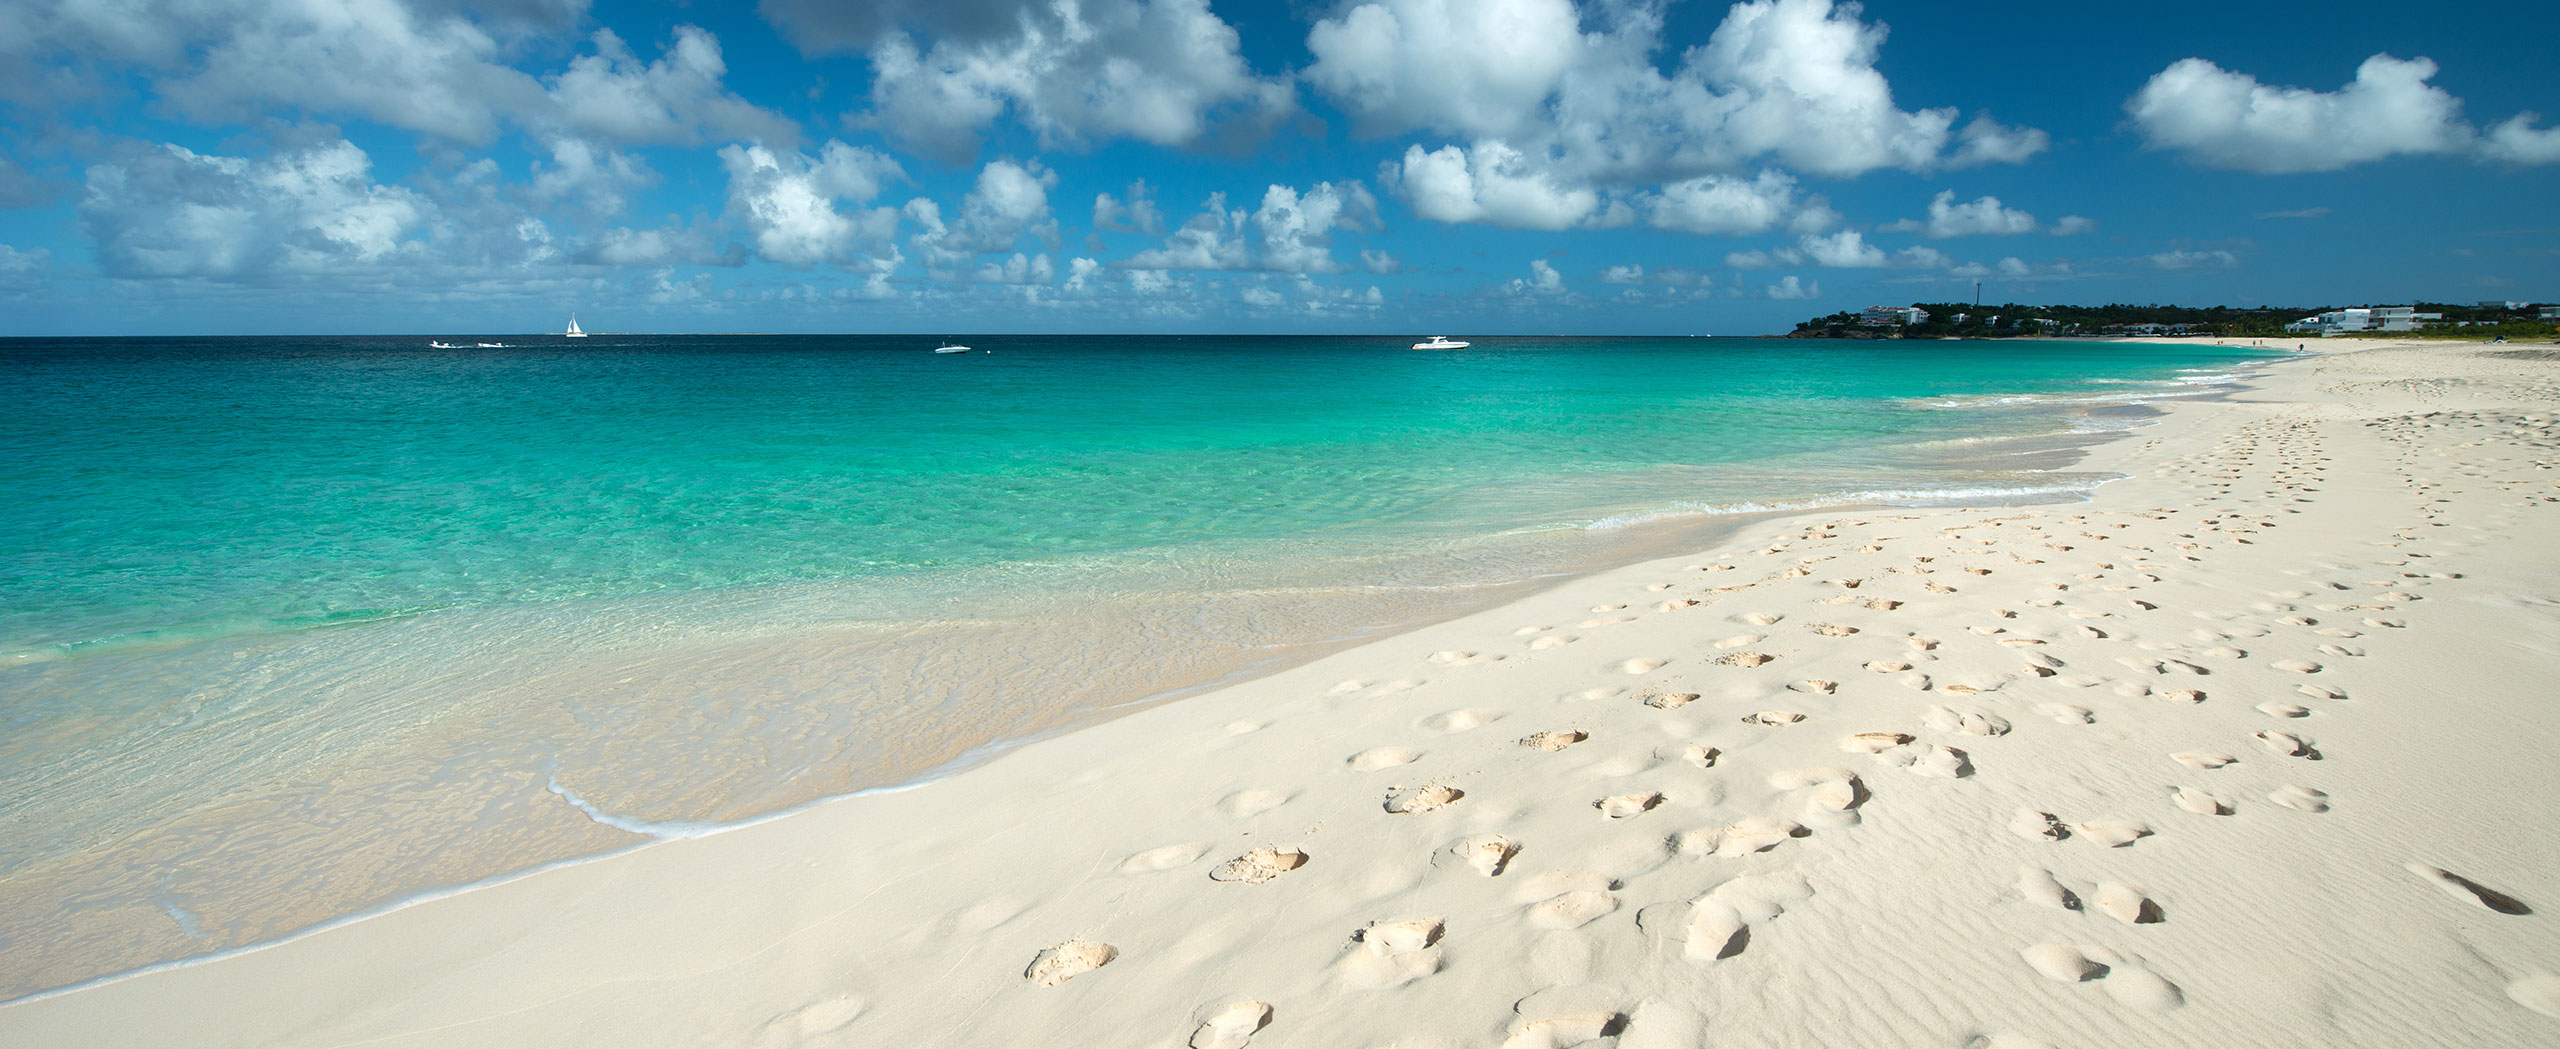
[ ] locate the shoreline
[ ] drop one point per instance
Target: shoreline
(604, 825)
(1024, 853)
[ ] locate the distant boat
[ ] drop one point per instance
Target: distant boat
(1440, 342)
(432, 344)
(491, 345)
(573, 331)
(951, 347)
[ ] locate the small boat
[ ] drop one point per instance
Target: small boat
(1440, 342)
(951, 347)
(573, 331)
(491, 345)
(434, 345)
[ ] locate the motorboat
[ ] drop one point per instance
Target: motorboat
(491, 345)
(952, 347)
(1440, 342)
(573, 331)
(434, 345)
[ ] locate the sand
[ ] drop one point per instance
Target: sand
(2254, 749)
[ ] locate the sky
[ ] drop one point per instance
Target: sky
(1320, 166)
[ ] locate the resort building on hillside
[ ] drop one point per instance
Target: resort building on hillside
(2363, 318)
(1891, 316)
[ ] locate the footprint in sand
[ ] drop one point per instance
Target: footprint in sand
(1254, 802)
(2066, 713)
(2114, 834)
(2201, 803)
(1164, 858)
(1375, 758)
(2300, 799)
(1260, 865)
(2126, 904)
(2286, 744)
(1701, 755)
(2202, 759)
(1970, 722)
(1553, 740)
(1740, 838)
(1230, 1025)
(2126, 979)
(1772, 718)
(1485, 854)
(1571, 910)
(2284, 710)
(1068, 960)
(1623, 806)
(2538, 991)
(1551, 641)
(1745, 660)
(2040, 887)
(1719, 923)
(1922, 759)
(2468, 891)
(1670, 700)
(1815, 686)
(1559, 1017)
(1640, 666)
(1873, 742)
(1391, 954)
(1415, 800)
(1458, 721)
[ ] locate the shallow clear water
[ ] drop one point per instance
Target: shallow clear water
(300, 626)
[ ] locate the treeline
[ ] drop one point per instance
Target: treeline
(1964, 320)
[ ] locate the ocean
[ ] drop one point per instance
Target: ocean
(299, 628)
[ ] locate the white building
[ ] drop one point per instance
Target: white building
(2361, 318)
(1891, 316)
(2551, 313)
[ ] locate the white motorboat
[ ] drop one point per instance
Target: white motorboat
(1440, 342)
(573, 331)
(434, 345)
(951, 348)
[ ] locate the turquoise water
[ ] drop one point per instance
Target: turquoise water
(297, 627)
(178, 490)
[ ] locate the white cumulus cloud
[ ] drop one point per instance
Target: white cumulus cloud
(1075, 73)
(1727, 204)
(1983, 215)
(2225, 119)
(171, 212)
(1582, 101)
(1489, 182)
(786, 202)
(1846, 249)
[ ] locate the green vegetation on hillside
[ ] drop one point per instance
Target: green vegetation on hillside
(1958, 320)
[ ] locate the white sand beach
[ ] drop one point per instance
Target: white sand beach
(2255, 749)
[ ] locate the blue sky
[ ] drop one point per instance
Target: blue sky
(947, 166)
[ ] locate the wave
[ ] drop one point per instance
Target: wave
(1906, 497)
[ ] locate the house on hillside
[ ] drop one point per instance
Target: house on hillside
(1891, 316)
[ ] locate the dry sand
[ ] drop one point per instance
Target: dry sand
(2254, 750)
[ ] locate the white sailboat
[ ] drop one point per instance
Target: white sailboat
(573, 331)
